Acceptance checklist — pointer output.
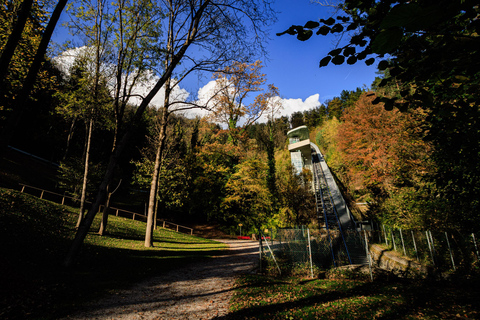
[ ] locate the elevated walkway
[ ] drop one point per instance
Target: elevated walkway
(332, 210)
(339, 203)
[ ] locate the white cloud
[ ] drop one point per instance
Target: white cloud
(289, 105)
(294, 105)
(204, 95)
(142, 89)
(66, 60)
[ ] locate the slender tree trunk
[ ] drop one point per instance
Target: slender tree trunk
(21, 100)
(154, 184)
(69, 138)
(85, 174)
(103, 225)
(271, 175)
(161, 142)
(14, 38)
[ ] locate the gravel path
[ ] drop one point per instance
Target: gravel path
(197, 291)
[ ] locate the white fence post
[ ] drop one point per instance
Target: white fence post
(309, 252)
(450, 250)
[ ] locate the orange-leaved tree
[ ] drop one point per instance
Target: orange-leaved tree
(234, 84)
(383, 152)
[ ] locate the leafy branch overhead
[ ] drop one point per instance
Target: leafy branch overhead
(420, 42)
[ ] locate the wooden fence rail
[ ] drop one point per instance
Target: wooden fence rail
(53, 196)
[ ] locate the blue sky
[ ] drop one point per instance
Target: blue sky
(292, 65)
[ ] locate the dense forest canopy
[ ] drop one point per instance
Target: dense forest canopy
(408, 145)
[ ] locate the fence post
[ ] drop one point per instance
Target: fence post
(403, 243)
(260, 248)
(450, 250)
(271, 252)
(310, 252)
(433, 244)
(385, 235)
(430, 247)
(41, 195)
(23, 188)
(393, 240)
(475, 244)
(368, 255)
(415, 246)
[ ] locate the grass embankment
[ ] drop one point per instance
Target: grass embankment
(35, 236)
(262, 297)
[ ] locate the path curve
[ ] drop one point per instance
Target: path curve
(197, 291)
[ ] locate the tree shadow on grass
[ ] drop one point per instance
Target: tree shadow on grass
(400, 299)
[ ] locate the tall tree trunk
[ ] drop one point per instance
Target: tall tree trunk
(271, 174)
(20, 101)
(156, 171)
(161, 142)
(103, 225)
(85, 174)
(69, 138)
(14, 38)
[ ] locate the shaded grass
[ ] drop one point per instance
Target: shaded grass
(261, 297)
(35, 236)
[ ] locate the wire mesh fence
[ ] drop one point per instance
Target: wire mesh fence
(305, 250)
(445, 251)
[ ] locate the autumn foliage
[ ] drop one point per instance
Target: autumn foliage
(382, 155)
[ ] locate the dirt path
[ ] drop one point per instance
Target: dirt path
(197, 291)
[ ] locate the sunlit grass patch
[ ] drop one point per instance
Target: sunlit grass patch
(261, 297)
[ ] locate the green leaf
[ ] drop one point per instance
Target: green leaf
(400, 15)
(324, 62)
(413, 17)
(386, 41)
(352, 26)
(311, 25)
(293, 30)
(382, 65)
(348, 51)
(370, 61)
(362, 55)
(337, 28)
(338, 60)
(324, 30)
(330, 21)
(304, 35)
(377, 100)
(389, 103)
(335, 52)
(395, 71)
(352, 60)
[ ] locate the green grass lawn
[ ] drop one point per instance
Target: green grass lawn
(35, 236)
(262, 297)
